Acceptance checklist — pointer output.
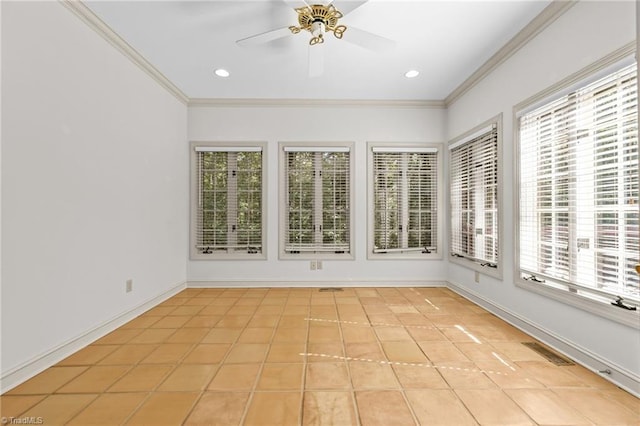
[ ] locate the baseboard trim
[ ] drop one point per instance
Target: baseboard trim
(314, 284)
(619, 376)
(28, 369)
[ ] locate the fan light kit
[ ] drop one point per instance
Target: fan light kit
(318, 19)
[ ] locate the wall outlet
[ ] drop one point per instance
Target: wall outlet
(129, 286)
(318, 264)
(313, 265)
(477, 276)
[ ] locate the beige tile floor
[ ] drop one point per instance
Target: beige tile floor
(297, 356)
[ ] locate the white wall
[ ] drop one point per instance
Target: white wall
(95, 179)
(318, 123)
(584, 34)
(94, 182)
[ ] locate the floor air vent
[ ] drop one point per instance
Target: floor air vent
(547, 354)
(326, 289)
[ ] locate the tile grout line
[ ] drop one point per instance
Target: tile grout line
(354, 401)
(255, 381)
(474, 357)
(155, 389)
(305, 365)
(402, 390)
(253, 390)
(131, 367)
(206, 385)
(163, 379)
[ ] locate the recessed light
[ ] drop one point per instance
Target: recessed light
(411, 73)
(220, 72)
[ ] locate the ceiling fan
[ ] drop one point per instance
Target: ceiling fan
(319, 19)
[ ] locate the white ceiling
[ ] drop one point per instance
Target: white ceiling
(445, 40)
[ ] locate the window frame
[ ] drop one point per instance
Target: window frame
(283, 181)
(463, 139)
(404, 254)
(194, 252)
(557, 291)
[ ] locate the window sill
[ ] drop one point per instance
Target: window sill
(228, 256)
(316, 256)
(404, 256)
(622, 316)
(475, 266)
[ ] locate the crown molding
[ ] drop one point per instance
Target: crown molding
(550, 13)
(100, 27)
(298, 103)
(554, 10)
(93, 21)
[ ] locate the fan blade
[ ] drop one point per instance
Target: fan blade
(316, 60)
(348, 6)
(265, 37)
(368, 40)
(296, 3)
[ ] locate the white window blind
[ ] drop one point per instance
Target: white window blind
(229, 208)
(578, 209)
(405, 203)
(318, 200)
(474, 197)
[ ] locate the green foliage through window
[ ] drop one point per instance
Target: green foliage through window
(318, 201)
(230, 207)
(405, 200)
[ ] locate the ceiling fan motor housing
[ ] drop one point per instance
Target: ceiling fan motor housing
(317, 19)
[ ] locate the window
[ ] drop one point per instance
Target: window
(474, 220)
(578, 183)
(404, 201)
(227, 219)
(317, 213)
